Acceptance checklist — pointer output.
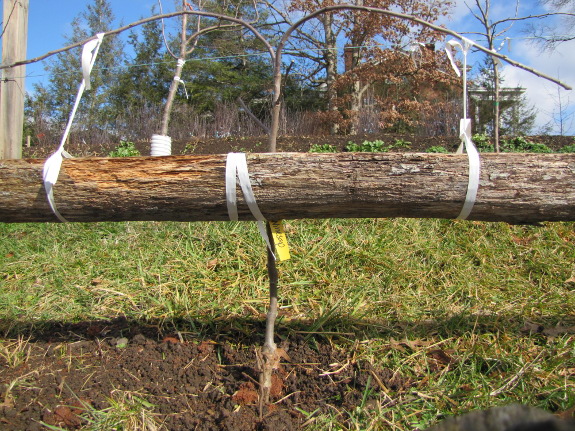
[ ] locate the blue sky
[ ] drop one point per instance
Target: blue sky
(49, 21)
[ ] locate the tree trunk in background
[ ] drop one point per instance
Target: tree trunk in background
(330, 67)
(355, 107)
(356, 95)
(496, 112)
(514, 187)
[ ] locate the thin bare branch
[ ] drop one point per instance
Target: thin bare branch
(256, 120)
(511, 21)
(241, 22)
(537, 16)
(167, 45)
(283, 15)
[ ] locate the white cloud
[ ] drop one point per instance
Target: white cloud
(542, 93)
(459, 12)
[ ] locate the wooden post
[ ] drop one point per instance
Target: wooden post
(15, 22)
(514, 187)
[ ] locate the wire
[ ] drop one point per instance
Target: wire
(15, 81)
(129, 66)
(9, 16)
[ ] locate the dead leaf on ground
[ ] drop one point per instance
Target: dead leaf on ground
(206, 347)
(558, 330)
(568, 414)
(531, 328)
(412, 344)
(440, 356)
(521, 241)
(246, 394)
(170, 340)
(570, 282)
(212, 263)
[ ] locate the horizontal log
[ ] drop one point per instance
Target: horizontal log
(516, 188)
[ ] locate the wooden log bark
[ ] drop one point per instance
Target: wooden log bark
(515, 188)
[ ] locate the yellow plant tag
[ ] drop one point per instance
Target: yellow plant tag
(280, 240)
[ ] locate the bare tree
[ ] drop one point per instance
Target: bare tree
(188, 43)
(561, 117)
(493, 30)
(548, 35)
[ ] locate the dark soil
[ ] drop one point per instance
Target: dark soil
(207, 384)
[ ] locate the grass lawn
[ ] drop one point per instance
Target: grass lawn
(475, 314)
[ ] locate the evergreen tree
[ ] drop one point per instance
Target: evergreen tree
(238, 68)
(516, 116)
(65, 71)
(145, 79)
(519, 118)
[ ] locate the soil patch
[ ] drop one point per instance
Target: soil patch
(69, 372)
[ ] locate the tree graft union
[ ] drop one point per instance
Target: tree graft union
(515, 188)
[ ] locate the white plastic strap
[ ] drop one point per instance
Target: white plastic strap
(52, 166)
(181, 63)
(465, 46)
(50, 174)
(89, 54)
(474, 169)
(181, 81)
(450, 47)
(236, 164)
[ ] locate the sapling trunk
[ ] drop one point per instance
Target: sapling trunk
(174, 85)
(269, 357)
(273, 309)
(170, 100)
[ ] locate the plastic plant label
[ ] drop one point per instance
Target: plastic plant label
(280, 240)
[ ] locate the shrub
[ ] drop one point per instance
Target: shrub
(353, 147)
(323, 148)
(437, 149)
(568, 149)
(124, 149)
(367, 147)
(400, 143)
(481, 141)
(521, 145)
(376, 146)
